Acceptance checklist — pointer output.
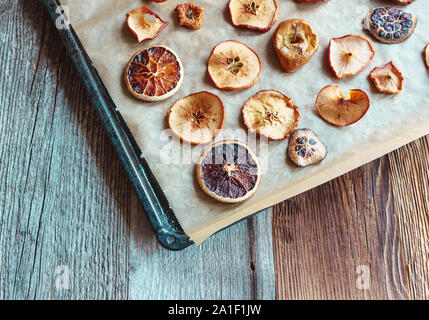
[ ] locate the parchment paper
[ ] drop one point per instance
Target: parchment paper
(391, 121)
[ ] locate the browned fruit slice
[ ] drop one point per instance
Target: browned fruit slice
(197, 118)
(305, 148)
(229, 172)
(427, 55)
(190, 15)
(387, 78)
(234, 66)
(350, 55)
(271, 114)
(154, 73)
(337, 109)
(253, 14)
(295, 43)
(145, 24)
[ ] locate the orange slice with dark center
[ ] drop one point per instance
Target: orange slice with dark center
(154, 73)
(229, 172)
(197, 118)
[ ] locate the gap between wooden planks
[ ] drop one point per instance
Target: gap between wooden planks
(374, 218)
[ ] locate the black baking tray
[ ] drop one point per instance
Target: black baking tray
(162, 219)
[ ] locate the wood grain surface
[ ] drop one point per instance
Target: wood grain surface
(71, 226)
(373, 219)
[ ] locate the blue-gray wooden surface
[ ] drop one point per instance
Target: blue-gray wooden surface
(68, 211)
(71, 226)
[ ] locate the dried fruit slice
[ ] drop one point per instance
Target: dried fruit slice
(190, 15)
(145, 24)
(305, 148)
(271, 114)
(427, 55)
(295, 43)
(387, 78)
(154, 73)
(229, 172)
(350, 55)
(234, 66)
(337, 109)
(390, 25)
(253, 14)
(197, 118)
(402, 1)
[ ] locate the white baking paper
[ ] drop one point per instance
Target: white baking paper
(390, 122)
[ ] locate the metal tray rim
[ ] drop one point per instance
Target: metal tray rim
(165, 225)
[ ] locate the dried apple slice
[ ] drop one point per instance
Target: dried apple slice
(337, 109)
(427, 55)
(145, 24)
(197, 118)
(349, 55)
(190, 15)
(271, 114)
(403, 2)
(253, 14)
(387, 78)
(295, 43)
(229, 172)
(154, 73)
(234, 66)
(305, 148)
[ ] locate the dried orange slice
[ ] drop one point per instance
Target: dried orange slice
(197, 118)
(337, 109)
(229, 172)
(253, 14)
(350, 55)
(154, 73)
(387, 78)
(145, 24)
(271, 114)
(234, 66)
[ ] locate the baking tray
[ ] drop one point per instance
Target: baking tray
(161, 217)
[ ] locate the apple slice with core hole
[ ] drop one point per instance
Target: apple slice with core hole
(197, 118)
(253, 14)
(234, 66)
(145, 24)
(349, 55)
(387, 78)
(337, 109)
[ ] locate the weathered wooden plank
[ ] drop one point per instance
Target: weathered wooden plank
(68, 209)
(410, 186)
(326, 238)
(236, 263)
(64, 197)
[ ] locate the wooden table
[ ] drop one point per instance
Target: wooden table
(71, 226)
